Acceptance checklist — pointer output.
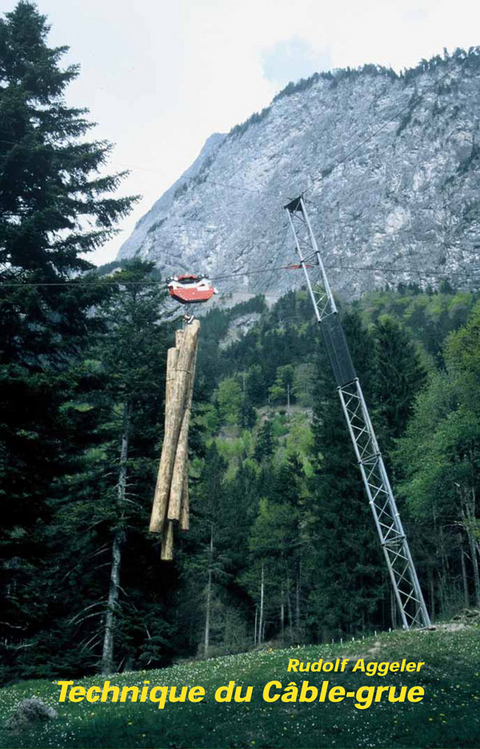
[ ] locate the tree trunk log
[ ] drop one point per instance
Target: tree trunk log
(474, 561)
(181, 456)
(114, 588)
(160, 508)
(262, 593)
(185, 514)
(466, 597)
(173, 423)
(206, 641)
(167, 544)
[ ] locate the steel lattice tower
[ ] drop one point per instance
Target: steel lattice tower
(380, 496)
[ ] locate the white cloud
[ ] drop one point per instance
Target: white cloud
(292, 59)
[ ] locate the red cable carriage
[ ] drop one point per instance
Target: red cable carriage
(190, 288)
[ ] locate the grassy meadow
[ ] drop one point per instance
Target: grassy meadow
(448, 716)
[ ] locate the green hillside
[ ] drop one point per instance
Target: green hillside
(448, 715)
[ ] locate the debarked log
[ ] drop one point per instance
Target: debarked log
(177, 395)
(167, 544)
(181, 456)
(185, 513)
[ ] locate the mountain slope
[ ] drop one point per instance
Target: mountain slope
(407, 197)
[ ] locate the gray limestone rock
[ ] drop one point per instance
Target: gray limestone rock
(30, 712)
(407, 198)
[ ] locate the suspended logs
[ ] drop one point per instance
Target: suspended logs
(171, 501)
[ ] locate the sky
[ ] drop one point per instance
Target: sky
(160, 76)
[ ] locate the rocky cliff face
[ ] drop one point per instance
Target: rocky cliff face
(407, 198)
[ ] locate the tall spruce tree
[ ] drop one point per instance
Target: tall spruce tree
(399, 376)
(345, 567)
(132, 356)
(205, 563)
(55, 205)
(108, 607)
(265, 445)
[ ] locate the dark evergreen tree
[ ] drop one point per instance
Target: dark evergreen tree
(289, 492)
(256, 386)
(248, 416)
(132, 357)
(398, 378)
(265, 445)
(205, 561)
(101, 597)
(346, 571)
(51, 191)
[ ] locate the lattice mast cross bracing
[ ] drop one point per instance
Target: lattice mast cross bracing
(400, 564)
